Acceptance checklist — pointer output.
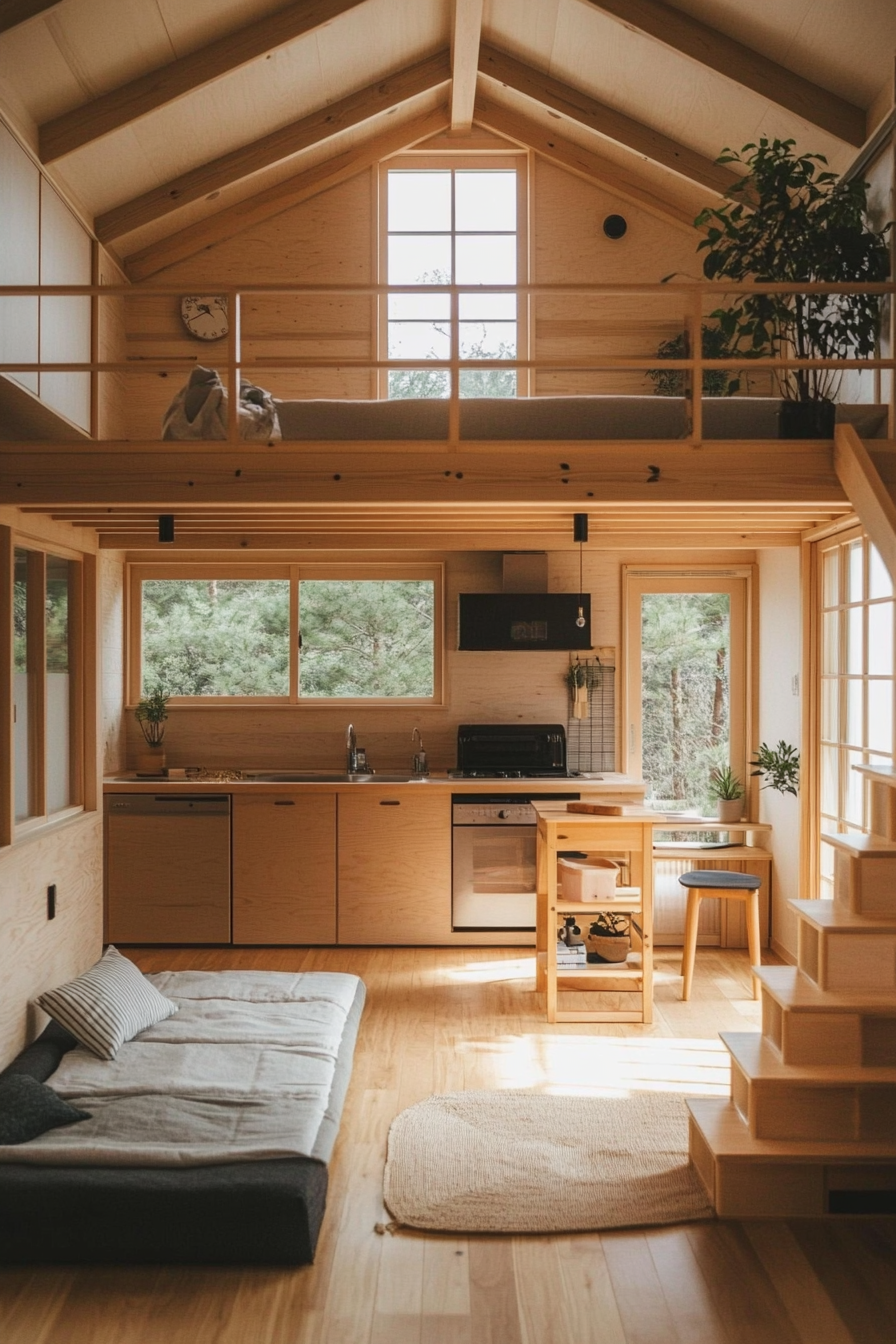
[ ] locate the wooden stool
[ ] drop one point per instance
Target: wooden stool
(730, 887)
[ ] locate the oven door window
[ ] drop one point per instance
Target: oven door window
(503, 861)
(494, 877)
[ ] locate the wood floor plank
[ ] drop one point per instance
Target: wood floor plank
(444, 1019)
(809, 1307)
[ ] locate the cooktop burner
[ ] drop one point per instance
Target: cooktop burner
(511, 774)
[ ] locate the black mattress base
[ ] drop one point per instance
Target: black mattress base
(238, 1213)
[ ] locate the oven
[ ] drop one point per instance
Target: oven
(493, 861)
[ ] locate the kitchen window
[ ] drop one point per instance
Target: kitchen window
(453, 223)
(47, 685)
(287, 633)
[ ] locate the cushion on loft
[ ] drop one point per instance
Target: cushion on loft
(199, 410)
(29, 1108)
(107, 1005)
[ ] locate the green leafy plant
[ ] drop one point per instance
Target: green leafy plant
(791, 220)
(151, 713)
(724, 784)
(779, 767)
(608, 924)
(580, 675)
(716, 382)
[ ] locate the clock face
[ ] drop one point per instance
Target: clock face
(205, 315)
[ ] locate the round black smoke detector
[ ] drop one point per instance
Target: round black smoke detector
(615, 226)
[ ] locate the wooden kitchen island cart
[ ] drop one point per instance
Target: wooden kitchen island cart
(629, 833)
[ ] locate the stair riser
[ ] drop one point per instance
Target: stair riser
(848, 1038)
(752, 1187)
(843, 961)
(866, 886)
(815, 1111)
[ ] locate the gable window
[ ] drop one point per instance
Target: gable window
(288, 633)
(449, 225)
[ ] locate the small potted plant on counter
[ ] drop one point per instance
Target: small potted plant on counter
(728, 791)
(778, 767)
(151, 714)
(608, 939)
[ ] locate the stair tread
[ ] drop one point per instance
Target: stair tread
(728, 1137)
(792, 989)
(866, 846)
(760, 1061)
(828, 915)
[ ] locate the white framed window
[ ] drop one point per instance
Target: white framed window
(47, 683)
(453, 223)
(287, 634)
(687, 683)
(855, 641)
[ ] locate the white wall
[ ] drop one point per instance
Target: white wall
(779, 718)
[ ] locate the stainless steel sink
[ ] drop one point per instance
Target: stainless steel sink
(320, 777)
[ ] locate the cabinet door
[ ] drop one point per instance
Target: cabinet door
(168, 879)
(394, 867)
(284, 868)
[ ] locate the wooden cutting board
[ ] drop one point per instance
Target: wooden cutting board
(599, 809)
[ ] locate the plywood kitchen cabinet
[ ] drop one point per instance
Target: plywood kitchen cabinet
(394, 866)
(284, 868)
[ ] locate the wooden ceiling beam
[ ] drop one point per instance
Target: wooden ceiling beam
(318, 126)
(741, 64)
(248, 542)
(607, 121)
(466, 32)
(123, 105)
(584, 163)
(14, 12)
(246, 214)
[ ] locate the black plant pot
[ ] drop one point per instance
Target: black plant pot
(806, 420)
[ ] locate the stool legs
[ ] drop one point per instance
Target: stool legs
(692, 919)
(753, 937)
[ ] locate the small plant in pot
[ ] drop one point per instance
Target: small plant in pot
(728, 791)
(608, 939)
(152, 713)
(778, 767)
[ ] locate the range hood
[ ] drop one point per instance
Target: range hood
(528, 619)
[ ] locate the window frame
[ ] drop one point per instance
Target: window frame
(294, 572)
(506, 158)
(82, 673)
(739, 582)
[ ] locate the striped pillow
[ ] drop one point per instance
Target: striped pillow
(107, 1005)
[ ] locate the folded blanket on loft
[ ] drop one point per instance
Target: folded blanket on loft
(242, 1072)
(199, 411)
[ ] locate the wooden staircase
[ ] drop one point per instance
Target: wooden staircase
(810, 1128)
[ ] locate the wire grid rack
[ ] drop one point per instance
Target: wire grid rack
(591, 742)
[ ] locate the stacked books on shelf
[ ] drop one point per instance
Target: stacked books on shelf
(570, 956)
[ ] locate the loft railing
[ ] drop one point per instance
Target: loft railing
(698, 300)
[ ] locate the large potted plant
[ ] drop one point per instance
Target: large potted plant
(789, 219)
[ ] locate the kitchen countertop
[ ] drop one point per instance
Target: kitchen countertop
(220, 782)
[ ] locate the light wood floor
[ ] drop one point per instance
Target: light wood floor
(444, 1020)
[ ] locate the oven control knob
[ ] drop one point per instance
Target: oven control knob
(504, 814)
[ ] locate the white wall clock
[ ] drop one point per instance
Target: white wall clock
(205, 315)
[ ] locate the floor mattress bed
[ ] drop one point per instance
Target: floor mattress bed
(259, 1061)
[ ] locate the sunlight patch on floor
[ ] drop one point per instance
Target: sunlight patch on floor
(607, 1065)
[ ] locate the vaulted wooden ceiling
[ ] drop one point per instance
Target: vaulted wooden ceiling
(174, 122)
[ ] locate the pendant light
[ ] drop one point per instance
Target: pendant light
(580, 534)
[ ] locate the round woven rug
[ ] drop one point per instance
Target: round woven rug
(526, 1162)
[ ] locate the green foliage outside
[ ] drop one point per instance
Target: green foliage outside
(360, 637)
(216, 636)
(685, 695)
(416, 383)
(56, 613)
(366, 637)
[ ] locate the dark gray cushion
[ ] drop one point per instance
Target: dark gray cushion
(29, 1108)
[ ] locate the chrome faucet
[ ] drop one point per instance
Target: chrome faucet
(351, 750)
(420, 764)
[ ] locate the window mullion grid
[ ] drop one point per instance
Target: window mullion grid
(454, 385)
